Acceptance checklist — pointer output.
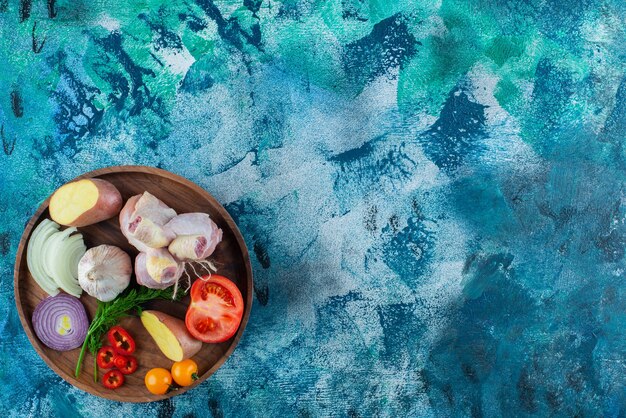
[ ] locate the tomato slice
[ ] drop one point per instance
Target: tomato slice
(113, 379)
(121, 340)
(215, 311)
(104, 358)
(125, 364)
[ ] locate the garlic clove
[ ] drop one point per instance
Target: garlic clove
(104, 272)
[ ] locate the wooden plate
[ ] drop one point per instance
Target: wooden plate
(231, 258)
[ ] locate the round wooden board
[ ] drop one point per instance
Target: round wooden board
(231, 259)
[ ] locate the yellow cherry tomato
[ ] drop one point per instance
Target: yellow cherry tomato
(158, 381)
(185, 372)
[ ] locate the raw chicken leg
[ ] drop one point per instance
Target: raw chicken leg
(142, 219)
(157, 269)
(196, 236)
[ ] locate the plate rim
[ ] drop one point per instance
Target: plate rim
(172, 176)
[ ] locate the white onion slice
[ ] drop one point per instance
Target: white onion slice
(51, 249)
(60, 260)
(52, 257)
(34, 258)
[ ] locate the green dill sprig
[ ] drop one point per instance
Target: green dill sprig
(108, 314)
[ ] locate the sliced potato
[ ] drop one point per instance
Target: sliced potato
(171, 335)
(85, 202)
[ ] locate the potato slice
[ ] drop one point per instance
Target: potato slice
(85, 202)
(171, 335)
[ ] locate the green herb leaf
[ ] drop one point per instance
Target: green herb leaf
(108, 314)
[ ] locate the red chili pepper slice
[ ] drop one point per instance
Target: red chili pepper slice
(125, 364)
(121, 341)
(113, 379)
(105, 357)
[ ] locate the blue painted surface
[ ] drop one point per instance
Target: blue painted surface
(433, 194)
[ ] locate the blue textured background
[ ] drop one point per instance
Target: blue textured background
(433, 192)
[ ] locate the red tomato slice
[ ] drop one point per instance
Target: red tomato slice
(215, 311)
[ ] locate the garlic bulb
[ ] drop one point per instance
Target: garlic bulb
(104, 272)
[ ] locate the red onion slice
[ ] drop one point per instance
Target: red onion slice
(60, 322)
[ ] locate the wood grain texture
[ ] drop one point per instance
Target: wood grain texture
(231, 258)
